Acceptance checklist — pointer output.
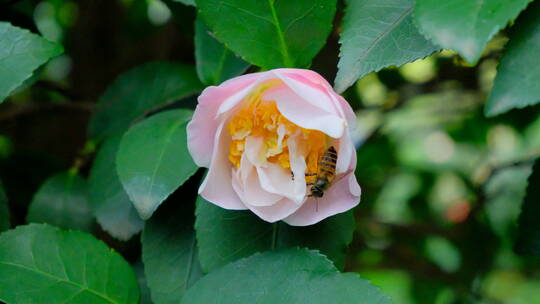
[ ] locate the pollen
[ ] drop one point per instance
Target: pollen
(261, 118)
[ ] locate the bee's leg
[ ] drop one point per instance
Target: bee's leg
(292, 175)
(309, 185)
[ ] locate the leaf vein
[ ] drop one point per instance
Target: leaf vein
(38, 271)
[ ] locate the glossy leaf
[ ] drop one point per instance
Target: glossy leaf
(518, 74)
(292, 276)
(528, 241)
(153, 159)
(21, 52)
(215, 63)
(186, 2)
(139, 91)
(110, 203)
(40, 264)
(378, 34)
(225, 236)
(271, 33)
(143, 283)
(465, 26)
(170, 253)
(4, 210)
(62, 201)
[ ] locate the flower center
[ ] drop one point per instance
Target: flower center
(261, 118)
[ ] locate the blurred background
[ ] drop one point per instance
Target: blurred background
(442, 185)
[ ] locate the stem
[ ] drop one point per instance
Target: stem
(274, 235)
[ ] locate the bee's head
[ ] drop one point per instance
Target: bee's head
(316, 191)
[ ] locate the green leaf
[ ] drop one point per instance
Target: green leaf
(140, 91)
(186, 2)
(62, 201)
(518, 74)
(271, 33)
(153, 159)
(291, 276)
(465, 26)
(110, 203)
(215, 63)
(4, 210)
(378, 34)
(143, 283)
(225, 236)
(21, 53)
(169, 253)
(40, 264)
(331, 236)
(528, 241)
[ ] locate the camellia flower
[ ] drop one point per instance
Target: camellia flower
(263, 137)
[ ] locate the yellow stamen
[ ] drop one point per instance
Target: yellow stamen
(261, 118)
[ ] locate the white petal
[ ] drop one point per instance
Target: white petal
(251, 192)
(298, 167)
(276, 179)
(254, 150)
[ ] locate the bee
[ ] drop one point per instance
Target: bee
(326, 172)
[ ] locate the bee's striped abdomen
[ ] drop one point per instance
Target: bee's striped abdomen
(327, 164)
(326, 171)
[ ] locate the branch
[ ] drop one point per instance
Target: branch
(13, 111)
(53, 86)
(494, 169)
(11, 2)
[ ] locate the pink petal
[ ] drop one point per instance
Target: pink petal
(346, 108)
(346, 153)
(316, 81)
(233, 100)
(201, 130)
(306, 99)
(343, 195)
(312, 93)
(306, 115)
(276, 212)
(308, 75)
(216, 187)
